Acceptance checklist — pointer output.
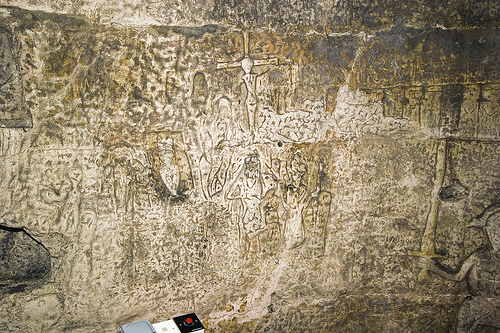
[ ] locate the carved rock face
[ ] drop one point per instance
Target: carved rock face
(277, 179)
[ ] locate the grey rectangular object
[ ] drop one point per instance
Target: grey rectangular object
(143, 326)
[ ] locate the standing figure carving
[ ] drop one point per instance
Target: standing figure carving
(316, 225)
(247, 189)
(13, 113)
(273, 213)
(295, 198)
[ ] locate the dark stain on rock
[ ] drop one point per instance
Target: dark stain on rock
(23, 260)
(31, 19)
(196, 32)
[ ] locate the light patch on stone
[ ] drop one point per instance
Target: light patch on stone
(357, 114)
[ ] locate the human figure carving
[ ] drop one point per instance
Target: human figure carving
(295, 195)
(249, 78)
(273, 214)
(316, 226)
(247, 187)
(481, 269)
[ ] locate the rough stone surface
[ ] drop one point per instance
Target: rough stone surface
(273, 166)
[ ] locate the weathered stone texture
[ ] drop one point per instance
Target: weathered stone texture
(272, 166)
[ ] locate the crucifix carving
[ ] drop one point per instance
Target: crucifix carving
(250, 78)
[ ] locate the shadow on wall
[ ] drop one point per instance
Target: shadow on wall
(24, 262)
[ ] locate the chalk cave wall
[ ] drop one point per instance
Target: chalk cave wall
(269, 165)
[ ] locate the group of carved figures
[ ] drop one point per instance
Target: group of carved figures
(281, 207)
(271, 212)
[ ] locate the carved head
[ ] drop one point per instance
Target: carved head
(247, 65)
(252, 166)
(298, 165)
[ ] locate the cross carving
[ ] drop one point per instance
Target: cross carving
(250, 79)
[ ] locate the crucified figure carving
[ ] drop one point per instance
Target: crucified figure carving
(247, 63)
